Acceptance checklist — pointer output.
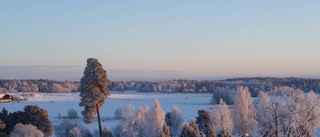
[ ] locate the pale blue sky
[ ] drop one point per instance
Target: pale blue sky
(160, 39)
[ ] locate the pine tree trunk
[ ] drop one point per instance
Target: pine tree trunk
(99, 121)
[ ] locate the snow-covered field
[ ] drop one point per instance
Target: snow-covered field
(189, 104)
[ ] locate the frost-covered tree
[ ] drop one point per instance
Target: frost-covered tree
(33, 115)
(105, 133)
(195, 127)
(311, 114)
(288, 112)
(304, 112)
(186, 131)
(93, 90)
(223, 93)
(75, 132)
(221, 119)
(72, 114)
(190, 130)
(210, 132)
(175, 121)
(140, 121)
(27, 130)
(165, 131)
(271, 114)
(57, 88)
(243, 112)
(156, 120)
(119, 113)
(127, 123)
(71, 128)
(263, 116)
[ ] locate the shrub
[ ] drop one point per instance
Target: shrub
(72, 114)
(226, 94)
(27, 130)
(71, 128)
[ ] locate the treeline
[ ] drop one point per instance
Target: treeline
(284, 112)
(254, 84)
(41, 85)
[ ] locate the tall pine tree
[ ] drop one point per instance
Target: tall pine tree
(93, 90)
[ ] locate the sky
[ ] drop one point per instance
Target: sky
(157, 40)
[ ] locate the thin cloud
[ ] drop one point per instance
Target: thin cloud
(42, 67)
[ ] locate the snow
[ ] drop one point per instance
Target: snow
(56, 103)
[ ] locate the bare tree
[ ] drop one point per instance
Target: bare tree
(93, 90)
(270, 112)
(303, 113)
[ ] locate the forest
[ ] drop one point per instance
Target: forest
(255, 84)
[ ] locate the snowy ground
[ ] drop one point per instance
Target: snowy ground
(189, 104)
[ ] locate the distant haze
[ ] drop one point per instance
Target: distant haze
(74, 73)
(160, 39)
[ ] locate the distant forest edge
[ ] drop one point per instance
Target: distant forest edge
(254, 84)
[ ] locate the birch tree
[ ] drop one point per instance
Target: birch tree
(221, 119)
(243, 112)
(271, 113)
(140, 122)
(156, 120)
(127, 123)
(303, 114)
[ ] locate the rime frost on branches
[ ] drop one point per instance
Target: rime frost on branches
(304, 112)
(71, 128)
(221, 119)
(143, 123)
(175, 121)
(140, 122)
(190, 130)
(156, 119)
(93, 89)
(243, 112)
(127, 123)
(27, 130)
(288, 112)
(271, 113)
